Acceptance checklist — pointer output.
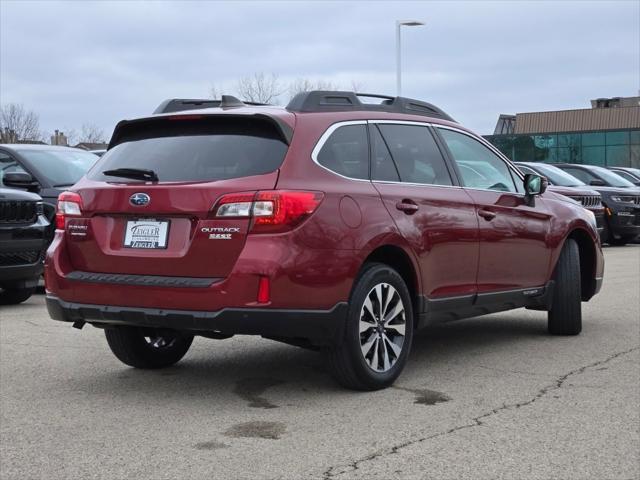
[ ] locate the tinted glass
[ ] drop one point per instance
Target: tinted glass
(592, 139)
(524, 169)
(382, 165)
(479, 166)
(416, 154)
(593, 155)
(611, 178)
(8, 165)
(627, 176)
(558, 176)
(634, 137)
(196, 151)
(346, 152)
(617, 138)
(581, 174)
(61, 168)
(618, 156)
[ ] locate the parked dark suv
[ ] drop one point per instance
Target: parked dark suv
(620, 197)
(23, 228)
(565, 184)
(331, 223)
(43, 169)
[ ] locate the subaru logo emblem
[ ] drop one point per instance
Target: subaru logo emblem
(139, 199)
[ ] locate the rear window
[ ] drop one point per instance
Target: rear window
(195, 150)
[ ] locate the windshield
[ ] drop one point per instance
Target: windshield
(612, 179)
(559, 177)
(61, 168)
(195, 151)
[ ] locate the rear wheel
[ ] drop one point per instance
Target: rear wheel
(13, 296)
(565, 315)
(618, 242)
(148, 347)
(379, 331)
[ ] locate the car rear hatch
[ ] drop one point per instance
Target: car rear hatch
(129, 223)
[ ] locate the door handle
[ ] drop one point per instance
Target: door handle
(407, 206)
(488, 215)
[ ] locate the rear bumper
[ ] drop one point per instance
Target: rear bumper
(320, 327)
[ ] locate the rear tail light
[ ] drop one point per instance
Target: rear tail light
(271, 211)
(69, 205)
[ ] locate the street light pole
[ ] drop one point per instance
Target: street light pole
(399, 25)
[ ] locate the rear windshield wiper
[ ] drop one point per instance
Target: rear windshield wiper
(135, 173)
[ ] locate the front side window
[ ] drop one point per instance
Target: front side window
(61, 168)
(346, 152)
(8, 165)
(581, 174)
(479, 167)
(416, 154)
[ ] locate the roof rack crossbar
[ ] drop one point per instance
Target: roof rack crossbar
(336, 101)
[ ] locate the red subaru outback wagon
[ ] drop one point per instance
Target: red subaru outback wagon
(335, 223)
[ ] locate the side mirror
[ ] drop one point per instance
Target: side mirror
(596, 182)
(535, 184)
(19, 180)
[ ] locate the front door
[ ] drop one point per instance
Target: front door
(514, 248)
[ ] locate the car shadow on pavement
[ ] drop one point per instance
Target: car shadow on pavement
(248, 369)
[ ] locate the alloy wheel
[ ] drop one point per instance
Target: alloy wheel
(382, 327)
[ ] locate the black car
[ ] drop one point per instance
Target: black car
(620, 197)
(43, 169)
(23, 241)
(628, 173)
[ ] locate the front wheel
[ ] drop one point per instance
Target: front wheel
(379, 331)
(565, 315)
(14, 296)
(148, 347)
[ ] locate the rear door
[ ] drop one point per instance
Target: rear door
(435, 216)
(167, 227)
(514, 249)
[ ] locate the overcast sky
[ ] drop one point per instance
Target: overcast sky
(99, 61)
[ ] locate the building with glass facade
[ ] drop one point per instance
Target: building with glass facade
(607, 134)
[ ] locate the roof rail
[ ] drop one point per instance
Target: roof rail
(181, 104)
(330, 101)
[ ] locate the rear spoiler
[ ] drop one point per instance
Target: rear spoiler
(182, 104)
(285, 131)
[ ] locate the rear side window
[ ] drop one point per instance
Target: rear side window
(346, 152)
(196, 150)
(416, 154)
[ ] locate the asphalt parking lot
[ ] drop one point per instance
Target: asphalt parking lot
(491, 397)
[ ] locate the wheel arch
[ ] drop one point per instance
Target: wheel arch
(587, 252)
(401, 261)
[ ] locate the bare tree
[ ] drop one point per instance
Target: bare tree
(357, 87)
(214, 92)
(260, 88)
(91, 133)
(18, 124)
(306, 85)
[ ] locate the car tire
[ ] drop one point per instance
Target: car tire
(618, 242)
(14, 296)
(146, 347)
(565, 315)
(374, 350)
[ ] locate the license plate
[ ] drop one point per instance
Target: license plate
(146, 233)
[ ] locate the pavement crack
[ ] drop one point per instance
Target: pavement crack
(478, 421)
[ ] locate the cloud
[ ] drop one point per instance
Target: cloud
(98, 62)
